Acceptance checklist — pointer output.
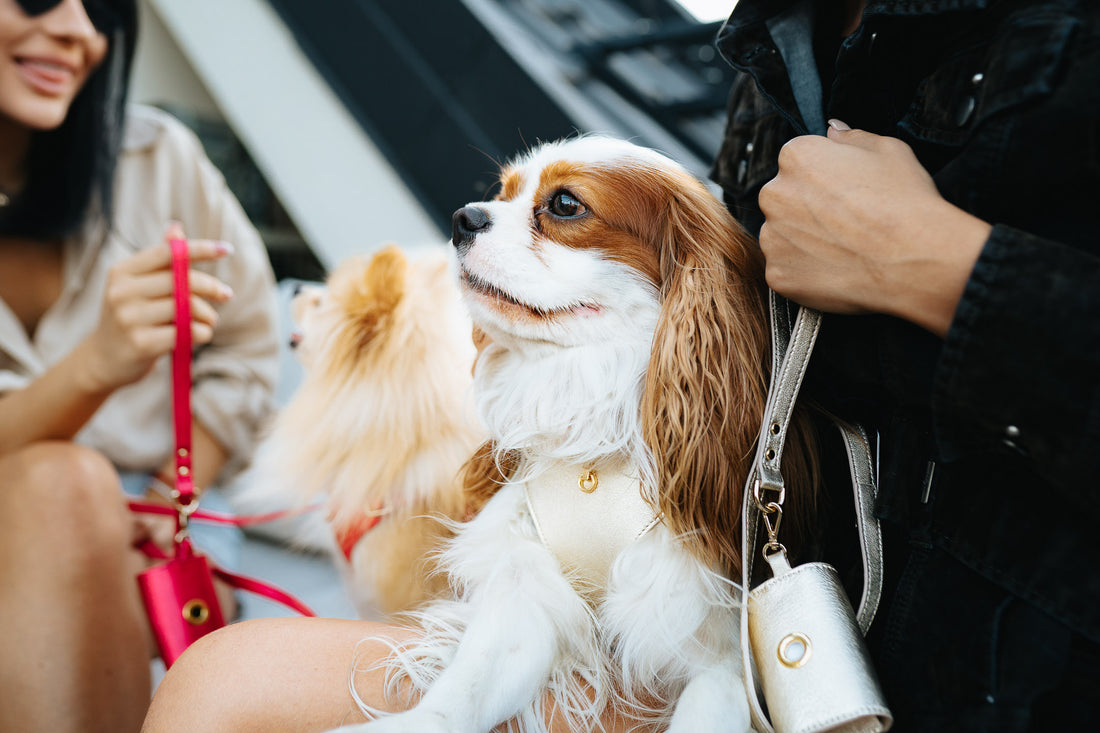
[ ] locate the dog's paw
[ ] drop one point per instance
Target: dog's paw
(715, 702)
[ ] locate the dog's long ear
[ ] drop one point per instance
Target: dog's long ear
(706, 385)
(483, 475)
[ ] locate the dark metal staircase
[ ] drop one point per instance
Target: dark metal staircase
(448, 88)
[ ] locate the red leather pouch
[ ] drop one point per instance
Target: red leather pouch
(181, 603)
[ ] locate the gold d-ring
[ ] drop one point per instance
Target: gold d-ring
(589, 481)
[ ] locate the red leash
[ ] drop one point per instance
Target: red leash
(178, 594)
(243, 582)
(204, 515)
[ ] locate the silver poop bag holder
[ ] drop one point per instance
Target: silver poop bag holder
(799, 634)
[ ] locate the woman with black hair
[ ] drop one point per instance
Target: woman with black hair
(88, 187)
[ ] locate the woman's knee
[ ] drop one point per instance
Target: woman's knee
(68, 493)
(233, 678)
(266, 672)
(185, 698)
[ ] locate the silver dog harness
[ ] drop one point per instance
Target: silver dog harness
(587, 516)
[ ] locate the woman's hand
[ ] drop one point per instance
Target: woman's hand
(854, 224)
(137, 323)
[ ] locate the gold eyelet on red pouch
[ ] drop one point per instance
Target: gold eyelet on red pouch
(196, 612)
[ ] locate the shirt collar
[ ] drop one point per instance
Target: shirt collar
(141, 131)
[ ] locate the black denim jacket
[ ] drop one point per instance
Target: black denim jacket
(990, 439)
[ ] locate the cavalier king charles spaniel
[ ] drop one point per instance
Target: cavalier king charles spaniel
(622, 388)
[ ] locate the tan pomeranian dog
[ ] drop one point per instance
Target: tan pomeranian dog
(381, 423)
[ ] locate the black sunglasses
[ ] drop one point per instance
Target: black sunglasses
(102, 13)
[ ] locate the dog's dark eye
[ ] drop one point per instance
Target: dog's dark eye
(564, 204)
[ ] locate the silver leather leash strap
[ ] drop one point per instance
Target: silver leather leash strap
(870, 534)
(791, 351)
(792, 348)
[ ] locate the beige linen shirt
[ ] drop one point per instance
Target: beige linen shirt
(163, 175)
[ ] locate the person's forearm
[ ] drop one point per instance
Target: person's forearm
(925, 285)
(208, 457)
(53, 407)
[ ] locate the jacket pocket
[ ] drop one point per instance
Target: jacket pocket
(1019, 65)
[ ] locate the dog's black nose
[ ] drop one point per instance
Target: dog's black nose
(465, 225)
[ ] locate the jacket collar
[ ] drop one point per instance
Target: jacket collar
(927, 7)
(750, 12)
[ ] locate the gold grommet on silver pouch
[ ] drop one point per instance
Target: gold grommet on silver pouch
(794, 650)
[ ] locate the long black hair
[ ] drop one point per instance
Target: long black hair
(70, 170)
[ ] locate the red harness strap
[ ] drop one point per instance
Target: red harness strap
(349, 535)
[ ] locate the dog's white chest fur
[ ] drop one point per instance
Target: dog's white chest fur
(587, 519)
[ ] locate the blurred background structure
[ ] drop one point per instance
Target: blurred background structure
(342, 125)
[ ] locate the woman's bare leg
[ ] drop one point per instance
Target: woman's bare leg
(288, 675)
(278, 674)
(74, 652)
